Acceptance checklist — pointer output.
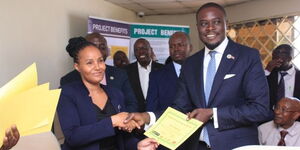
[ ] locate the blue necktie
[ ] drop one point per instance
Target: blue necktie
(210, 75)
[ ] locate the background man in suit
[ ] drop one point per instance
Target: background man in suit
(138, 72)
(283, 130)
(163, 82)
(113, 76)
(222, 85)
(281, 66)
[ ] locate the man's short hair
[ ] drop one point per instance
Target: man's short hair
(286, 47)
(211, 4)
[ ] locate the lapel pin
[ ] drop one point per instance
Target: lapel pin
(229, 56)
(111, 78)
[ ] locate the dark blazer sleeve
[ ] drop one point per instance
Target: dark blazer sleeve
(76, 131)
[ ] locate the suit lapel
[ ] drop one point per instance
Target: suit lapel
(297, 84)
(199, 86)
(225, 65)
(114, 101)
(107, 75)
(172, 71)
(137, 80)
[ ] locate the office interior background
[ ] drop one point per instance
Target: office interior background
(38, 30)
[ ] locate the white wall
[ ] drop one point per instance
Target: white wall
(236, 13)
(38, 31)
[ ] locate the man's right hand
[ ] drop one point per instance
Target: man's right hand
(11, 138)
(147, 144)
(140, 118)
(274, 63)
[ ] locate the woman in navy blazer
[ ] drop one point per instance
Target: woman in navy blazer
(90, 114)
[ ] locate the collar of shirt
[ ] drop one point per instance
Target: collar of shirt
(148, 68)
(291, 71)
(177, 68)
(103, 81)
(291, 130)
(220, 49)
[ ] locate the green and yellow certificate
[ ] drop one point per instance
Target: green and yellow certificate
(172, 128)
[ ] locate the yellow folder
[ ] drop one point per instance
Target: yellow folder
(28, 105)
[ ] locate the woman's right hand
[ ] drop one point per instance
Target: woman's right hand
(118, 121)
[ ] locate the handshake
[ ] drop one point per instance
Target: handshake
(129, 121)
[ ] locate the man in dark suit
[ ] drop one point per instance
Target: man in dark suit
(138, 72)
(222, 85)
(281, 66)
(163, 82)
(113, 76)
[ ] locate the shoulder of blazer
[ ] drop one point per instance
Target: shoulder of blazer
(156, 65)
(162, 71)
(115, 72)
(194, 58)
(74, 88)
(130, 67)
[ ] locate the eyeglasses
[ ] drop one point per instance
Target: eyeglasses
(284, 110)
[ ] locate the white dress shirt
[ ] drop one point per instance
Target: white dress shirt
(289, 81)
(144, 77)
(177, 68)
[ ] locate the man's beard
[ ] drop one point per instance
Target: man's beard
(212, 46)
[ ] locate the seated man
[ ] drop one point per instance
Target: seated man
(283, 130)
(11, 138)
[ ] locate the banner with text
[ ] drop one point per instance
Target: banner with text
(158, 36)
(116, 33)
(121, 36)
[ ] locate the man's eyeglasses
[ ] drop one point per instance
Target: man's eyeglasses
(284, 110)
